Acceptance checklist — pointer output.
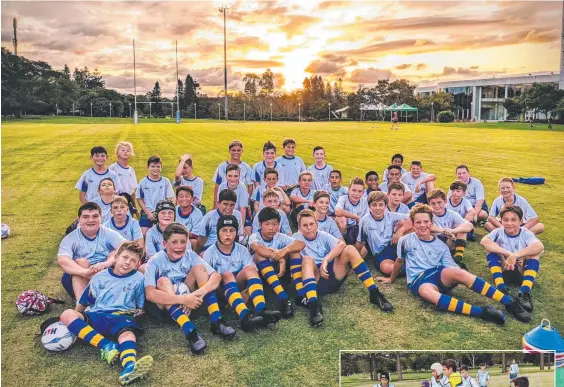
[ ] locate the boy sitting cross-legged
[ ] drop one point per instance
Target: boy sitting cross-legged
(326, 262)
(177, 280)
(114, 295)
(271, 199)
(419, 182)
(270, 246)
(513, 254)
(432, 274)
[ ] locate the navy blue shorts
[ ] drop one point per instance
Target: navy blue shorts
(66, 281)
(351, 234)
(429, 276)
(330, 285)
(111, 325)
(248, 220)
(389, 252)
(144, 220)
(485, 207)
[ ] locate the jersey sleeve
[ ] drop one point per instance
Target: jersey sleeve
(397, 218)
(140, 293)
(330, 240)
(150, 248)
(117, 182)
(66, 247)
(528, 212)
(169, 192)
(458, 220)
(114, 239)
(446, 257)
(302, 166)
(334, 230)
(136, 230)
(494, 234)
(285, 239)
(140, 191)
(88, 298)
(217, 176)
(241, 224)
(494, 210)
(255, 174)
(361, 237)
(244, 198)
(199, 188)
(529, 237)
(151, 274)
(246, 257)
(81, 184)
(467, 205)
(210, 259)
(407, 189)
(341, 202)
(199, 261)
(480, 193)
(201, 229)
(403, 247)
(285, 225)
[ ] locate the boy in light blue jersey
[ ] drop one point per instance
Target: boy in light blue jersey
(474, 193)
(483, 377)
(396, 192)
(335, 189)
(394, 176)
(186, 213)
(86, 250)
(458, 203)
(125, 172)
(152, 189)
(418, 182)
(238, 271)
(269, 247)
(349, 209)
(184, 176)
(235, 153)
(372, 183)
(106, 192)
(270, 183)
(302, 196)
(432, 274)
(177, 281)
(165, 213)
(269, 162)
(115, 295)
(321, 200)
(90, 180)
(232, 183)
(271, 200)
(450, 227)
(397, 159)
(291, 166)
(516, 250)
(326, 262)
(320, 170)
(206, 232)
(508, 197)
(379, 232)
(123, 223)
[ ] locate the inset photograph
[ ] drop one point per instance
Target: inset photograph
(447, 369)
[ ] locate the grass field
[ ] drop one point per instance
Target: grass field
(42, 160)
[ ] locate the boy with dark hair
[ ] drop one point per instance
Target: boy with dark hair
(107, 193)
(184, 176)
(232, 182)
(291, 166)
(335, 189)
(152, 189)
(320, 170)
(269, 162)
(177, 281)
(86, 250)
(124, 224)
(372, 182)
(474, 193)
(467, 380)
(432, 274)
(516, 250)
(458, 203)
(379, 232)
(235, 153)
(186, 213)
(268, 246)
(349, 209)
(397, 159)
(321, 200)
(90, 180)
(165, 213)
(449, 369)
(114, 296)
(396, 191)
(521, 381)
(384, 380)
(271, 199)
(394, 176)
(270, 183)
(483, 376)
(237, 269)
(326, 262)
(418, 182)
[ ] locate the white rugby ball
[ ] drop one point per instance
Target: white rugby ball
(5, 231)
(57, 337)
(181, 289)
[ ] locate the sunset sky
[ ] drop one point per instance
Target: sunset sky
(357, 41)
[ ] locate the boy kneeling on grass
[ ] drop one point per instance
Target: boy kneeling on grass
(115, 295)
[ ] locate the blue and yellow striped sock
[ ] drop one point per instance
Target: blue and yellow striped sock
(213, 307)
(485, 289)
(310, 287)
(296, 272)
(529, 275)
(267, 271)
(181, 319)
(451, 304)
(256, 292)
(127, 352)
(494, 263)
(85, 332)
(364, 275)
(235, 300)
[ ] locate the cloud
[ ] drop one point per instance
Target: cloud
(259, 64)
(251, 42)
(325, 5)
(370, 75)
(298, 24)
(403, 66)
(420, 66)
(325, 67)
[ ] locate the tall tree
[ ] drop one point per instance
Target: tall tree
(191, 91)
(94, 80)
(251, 87)
(156, 98)
(267, 82)
(66, 72)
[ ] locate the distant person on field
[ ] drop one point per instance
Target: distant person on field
(291, 166)
(90, 180)
(320, 169)
(474, 193)
(483, 377)
(531, 121)
(395, 121)
(449, 369)
(245, 176)
(549, 122)
(513, 371)
(184, 176)
(467, 380)
(384, 380)
(125, 173)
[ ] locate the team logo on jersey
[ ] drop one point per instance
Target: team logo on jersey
(129, 287)
(165, 273)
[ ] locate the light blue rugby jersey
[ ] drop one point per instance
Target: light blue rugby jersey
(191, 221)
(335, 195)
(284, 224)
(519, 201)
(279, 241)
(237, 260)
(330, 227)
(245, 175)
(154, 241)
(360, 209)
(90, 180)
(462, 208)
(109, 292)
(384, 174)
(384, 187)
(197, 185)
(290, 169)
(240, 191)
(160, 265)
(77, 245)
(515, 243)
(474, 191)
(411, 182)
(449, 219)
(208, 226)
(422, 255)
(126, 176)
(105, 207)
(377, 233)
(260, 167)
(402, 209)
(258, 194)
(153, 191)
(309, 196)
(131, 230)
(320, 176)
(319, 247)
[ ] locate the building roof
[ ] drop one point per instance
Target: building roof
(497, 81)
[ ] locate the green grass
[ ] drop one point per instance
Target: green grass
(42, 162)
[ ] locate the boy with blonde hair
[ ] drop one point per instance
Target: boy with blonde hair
(125, 172)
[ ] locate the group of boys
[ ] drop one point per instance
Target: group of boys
(175, 258)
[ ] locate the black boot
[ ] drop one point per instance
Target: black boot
(197, 342)
(250, 322)
(269, 316)
(492, 314)
(315, 316)
(223, 330)
(526, 301)
(378, 299)
(286, 308)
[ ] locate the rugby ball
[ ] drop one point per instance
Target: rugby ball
(181, 289)
(57, 337)
(5, 231)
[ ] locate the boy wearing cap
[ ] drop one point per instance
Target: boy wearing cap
(438, 379)
(384, 380)
(235, 265)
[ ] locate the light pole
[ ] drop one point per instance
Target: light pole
(130, 110)
(172, 112)
(218, 111)
(91, 108)
(110, 110)
(244, 112)
(223, 9)
(177, 89)
(329, 111)
(73, 109)
(57, 107)
(135, 114)
(299, 112)
(194, 110)
(271, 112)
(150, 115)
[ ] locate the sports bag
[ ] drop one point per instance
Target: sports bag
(33, 303)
